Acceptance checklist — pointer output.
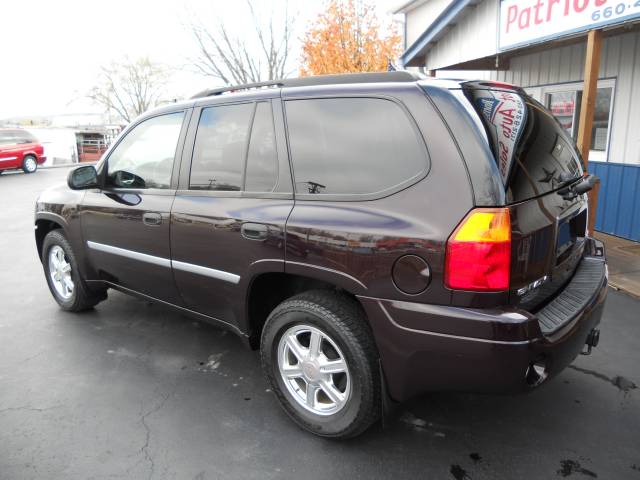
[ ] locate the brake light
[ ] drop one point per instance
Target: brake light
(479, 252)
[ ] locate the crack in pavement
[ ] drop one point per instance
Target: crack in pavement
(31, 357)
(618, 381)
(143, 420)
(28, 408)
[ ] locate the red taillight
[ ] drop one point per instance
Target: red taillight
(479, 252)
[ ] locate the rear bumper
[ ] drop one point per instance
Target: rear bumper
(41, 159)
(435, 348)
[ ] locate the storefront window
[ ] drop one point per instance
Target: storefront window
(564, 102)
(563, 107)
(600, 132)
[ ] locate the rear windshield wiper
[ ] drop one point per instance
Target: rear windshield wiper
(582, 186)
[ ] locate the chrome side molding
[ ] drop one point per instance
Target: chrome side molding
(165, 262)
(123, 252)
(206, 271)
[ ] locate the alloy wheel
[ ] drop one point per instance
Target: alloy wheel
(60, 272)
(30, 164)
(314, 370)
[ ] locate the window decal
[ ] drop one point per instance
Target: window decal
(506, 114)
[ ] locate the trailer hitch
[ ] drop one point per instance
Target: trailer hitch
(592, 341)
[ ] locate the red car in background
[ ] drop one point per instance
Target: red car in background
(20, 149)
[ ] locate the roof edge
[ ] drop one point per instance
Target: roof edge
(407, 5)
(442, 21)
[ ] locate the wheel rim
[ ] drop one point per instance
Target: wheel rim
(314, 370)
(60, 272)
(30, 164)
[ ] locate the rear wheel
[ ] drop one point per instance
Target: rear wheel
(320, 358)
(63, 277)
(29, 164)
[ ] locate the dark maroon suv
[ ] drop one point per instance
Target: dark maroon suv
(377, 236)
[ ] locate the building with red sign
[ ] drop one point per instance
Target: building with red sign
(542, 46)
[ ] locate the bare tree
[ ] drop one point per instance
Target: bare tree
(233, 58)
(131, 87)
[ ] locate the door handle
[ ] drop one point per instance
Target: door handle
(152, 219)
(254, 231)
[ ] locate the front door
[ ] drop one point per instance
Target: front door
(126, 223)
(229, 215)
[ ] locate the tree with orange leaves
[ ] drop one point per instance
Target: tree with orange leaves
(348, 38)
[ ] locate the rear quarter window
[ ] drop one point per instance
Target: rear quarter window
(353, 146)
(26, 137)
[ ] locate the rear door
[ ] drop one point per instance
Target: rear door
(536, 158)
(10, 154)
(126, 224)
(233, 201)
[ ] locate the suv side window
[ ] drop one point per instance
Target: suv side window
(144, 157)
(218, 152)
(262, 158)
(347, 146)
(7, 138)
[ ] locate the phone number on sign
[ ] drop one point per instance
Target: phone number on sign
(619, 10)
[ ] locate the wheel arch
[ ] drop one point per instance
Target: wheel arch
(45, 223)
(28, 154)
(268, 289)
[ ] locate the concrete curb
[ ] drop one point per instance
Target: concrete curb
(621, 288)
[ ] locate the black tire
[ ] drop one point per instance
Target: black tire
(342, 319)
(82, 297)
(29, 164)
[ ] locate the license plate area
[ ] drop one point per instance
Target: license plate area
(571, 233)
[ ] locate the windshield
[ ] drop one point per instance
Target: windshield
(533, 152)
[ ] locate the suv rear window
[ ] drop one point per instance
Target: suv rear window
(533, 152)
(347, 146)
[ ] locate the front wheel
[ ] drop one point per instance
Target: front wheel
(320, 358)
(29, 164)
(63, 277)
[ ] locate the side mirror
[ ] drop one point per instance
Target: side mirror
(83, 178)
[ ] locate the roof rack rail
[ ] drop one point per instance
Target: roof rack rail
(375, 77)
(233, 88)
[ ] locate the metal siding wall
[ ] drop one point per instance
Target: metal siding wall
(418, 18)
(619, 202)
(627, 108)
(619, 199)
(473, 37)
(620, 60)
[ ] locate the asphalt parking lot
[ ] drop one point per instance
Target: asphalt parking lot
(134, 390)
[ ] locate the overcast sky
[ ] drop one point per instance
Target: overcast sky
(52, 49)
